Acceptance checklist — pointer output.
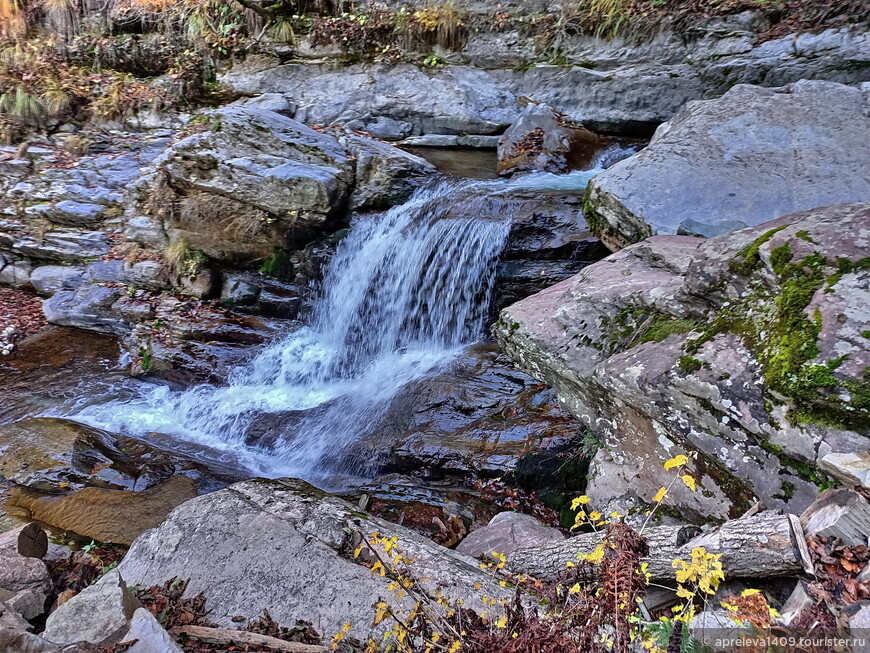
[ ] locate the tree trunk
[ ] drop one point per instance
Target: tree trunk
(761, 546)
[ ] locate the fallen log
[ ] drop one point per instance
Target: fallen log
(228, 637)
(761, 546)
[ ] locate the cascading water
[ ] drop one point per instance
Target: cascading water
(404, 293)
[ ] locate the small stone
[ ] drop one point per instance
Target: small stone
(28, 540)
(851, 468)
(508, 532)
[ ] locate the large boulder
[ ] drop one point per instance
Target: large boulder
(752, 155)
(385, 175)
(747, 352)
(288, 547)
(247, 180)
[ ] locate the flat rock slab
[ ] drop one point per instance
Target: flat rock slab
(752, 155)
(286, 546)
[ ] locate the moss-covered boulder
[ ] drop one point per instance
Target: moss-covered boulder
(749, 352)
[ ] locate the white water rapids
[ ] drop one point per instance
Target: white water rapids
(405, 292)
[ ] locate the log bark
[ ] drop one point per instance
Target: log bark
(761, 546)
(226, 636)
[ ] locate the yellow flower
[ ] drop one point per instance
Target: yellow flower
(579, 501)
(676, 461)
(501, 622)
(660, 495)
(689, 481)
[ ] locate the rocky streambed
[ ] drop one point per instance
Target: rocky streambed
(238, 298)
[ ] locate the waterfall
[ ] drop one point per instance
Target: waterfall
(405, 292)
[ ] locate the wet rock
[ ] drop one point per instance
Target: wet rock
(385, 175)
(117, 516)
(48, 279)
(296, 538)
(543, 139)
(797, 144)
(58, 456)
(99, 614)
(237, 291)
(625, 345)
(189, 347)
(91, 307)
(506, 533)
(478, 418)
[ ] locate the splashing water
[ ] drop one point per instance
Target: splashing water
(405, 292)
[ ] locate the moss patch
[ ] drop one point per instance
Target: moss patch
(777, 328)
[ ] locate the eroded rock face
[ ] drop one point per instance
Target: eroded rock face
(751, 156)
(296, 545)
(735, 350)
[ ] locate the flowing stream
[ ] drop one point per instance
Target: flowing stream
(405, 292)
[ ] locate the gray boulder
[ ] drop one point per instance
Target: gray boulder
(99, 614)
(752, 155)
(48, 279)
(69, 212)
(286, 546)
(94, 307)
(248, 179)
(385, 175)
(389, 101)
(508, 532)
(678, 345)
(15, 274)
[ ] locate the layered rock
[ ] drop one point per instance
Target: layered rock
(751, 156)
(287, 546)
(746, 352)
(616, 85)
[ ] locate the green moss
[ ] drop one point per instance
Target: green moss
(748, 258)
(690, 364)
(277, 265)
(784, 338)
(800, 468)
(664, 326)
(803, 234)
